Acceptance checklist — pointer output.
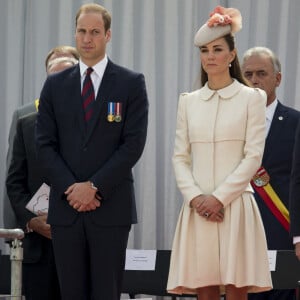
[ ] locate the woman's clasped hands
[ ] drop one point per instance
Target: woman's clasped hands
(208, 207)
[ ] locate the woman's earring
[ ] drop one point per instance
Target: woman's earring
(229, 65)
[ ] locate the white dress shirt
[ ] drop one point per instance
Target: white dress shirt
(97, 75)
(270, 110)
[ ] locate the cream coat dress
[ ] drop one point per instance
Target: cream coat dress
(218, 148)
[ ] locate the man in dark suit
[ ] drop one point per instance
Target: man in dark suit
(23, 180)
(88, 157)
(9, 217)
(262, 68)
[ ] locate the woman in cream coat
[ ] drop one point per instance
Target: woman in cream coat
(219, 244)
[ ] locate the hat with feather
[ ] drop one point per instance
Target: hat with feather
(222, 21)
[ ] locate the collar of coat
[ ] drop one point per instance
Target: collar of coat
(226, 93)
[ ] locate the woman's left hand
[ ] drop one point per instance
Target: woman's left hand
(211, 208)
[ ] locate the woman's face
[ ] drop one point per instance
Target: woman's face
(216, 57)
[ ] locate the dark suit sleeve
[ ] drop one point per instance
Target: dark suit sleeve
(12, 132)
(9, 216)
(10, 220)
(133, 139)
(17, 178)
(47, 144)
(294, 208)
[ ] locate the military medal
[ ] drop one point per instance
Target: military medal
(110, 112)
(118, 111)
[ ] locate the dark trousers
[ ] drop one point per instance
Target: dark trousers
(40, 278)
(274, 295)
(90, 259)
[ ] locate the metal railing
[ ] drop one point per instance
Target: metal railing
(16, 258)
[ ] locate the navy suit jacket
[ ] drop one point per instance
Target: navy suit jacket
(103, 152)
(277, 160)
(23, 180)
(9, 216)
(295, 189)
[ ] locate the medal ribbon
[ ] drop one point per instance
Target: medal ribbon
(111, 108)
(274, 203)
(118, 109)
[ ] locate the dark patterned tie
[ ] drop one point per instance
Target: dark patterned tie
(88, 95)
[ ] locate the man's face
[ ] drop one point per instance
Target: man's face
(91, 38)
(259, 71)
(56, 55)
(58, 67)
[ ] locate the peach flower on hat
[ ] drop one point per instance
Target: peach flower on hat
(223, 16)
(222, 21)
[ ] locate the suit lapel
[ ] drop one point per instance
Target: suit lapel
(104, 91)
(73, 87)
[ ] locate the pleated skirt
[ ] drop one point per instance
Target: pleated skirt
(206, 253)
